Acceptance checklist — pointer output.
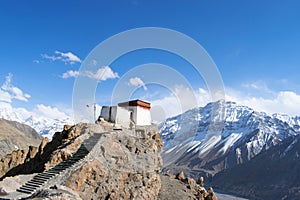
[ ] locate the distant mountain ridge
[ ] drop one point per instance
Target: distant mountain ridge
(15, 136)
(44, 126)
(242, 135)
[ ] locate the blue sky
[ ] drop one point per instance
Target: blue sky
(255, 44)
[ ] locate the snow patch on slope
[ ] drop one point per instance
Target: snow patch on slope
(230, 141)
(209, 144)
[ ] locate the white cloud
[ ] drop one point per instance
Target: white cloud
(101, 74)
(36, 61)
(70, 74)
(5, 96)
(42, 115)
(169, 106)
(9, 92)
(136, 81)
(180, 101)
(284, 102)
(49, 112)
(52, 58)
(5, 105)
(67, 57)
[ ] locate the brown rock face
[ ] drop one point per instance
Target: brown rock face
(43, 144)
(90, 174)
(16, 158)
(33, 159)
(211, 195)
(32, 151)
(124, 166)
(12, 160)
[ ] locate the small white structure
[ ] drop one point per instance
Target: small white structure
(115, 114)
(126, 114)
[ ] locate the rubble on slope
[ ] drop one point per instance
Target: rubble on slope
(179, 187)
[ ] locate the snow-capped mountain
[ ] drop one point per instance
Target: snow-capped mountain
(43, 125)
(274, 173)
(221, 135)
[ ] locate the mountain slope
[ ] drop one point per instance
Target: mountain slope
(200, 141)
(14, 135)
(273, 174)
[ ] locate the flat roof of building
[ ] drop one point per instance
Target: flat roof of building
(136, 102)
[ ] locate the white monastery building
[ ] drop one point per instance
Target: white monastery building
(135, 112)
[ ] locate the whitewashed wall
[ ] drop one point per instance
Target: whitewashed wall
(141, 116)
(122, 117)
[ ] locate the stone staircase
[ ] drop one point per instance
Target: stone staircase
(40, 179)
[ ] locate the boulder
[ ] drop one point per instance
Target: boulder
(180, 176)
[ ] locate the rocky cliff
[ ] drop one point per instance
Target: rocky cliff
(122, 164)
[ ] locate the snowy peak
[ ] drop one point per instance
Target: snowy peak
(43, 125)
(221, 129)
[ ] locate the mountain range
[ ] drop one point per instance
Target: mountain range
(217, 139)
(45, 126)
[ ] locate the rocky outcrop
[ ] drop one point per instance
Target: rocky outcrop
(178, 187)
(180, 176)
(16, 158)
(33, 160)
(122, 164)
(197, 188)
